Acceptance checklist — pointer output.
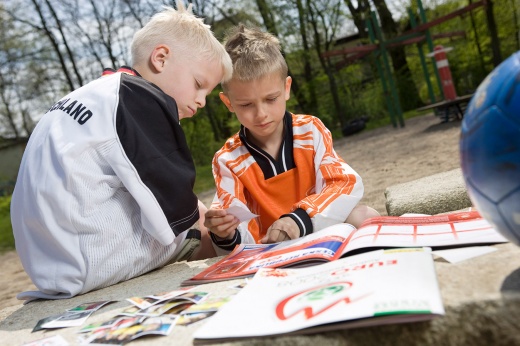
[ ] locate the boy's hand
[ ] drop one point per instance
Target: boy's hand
(220, 223)
(282, 229)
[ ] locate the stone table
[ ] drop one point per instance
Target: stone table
(481, 297)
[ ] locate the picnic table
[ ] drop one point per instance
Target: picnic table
(446, 108)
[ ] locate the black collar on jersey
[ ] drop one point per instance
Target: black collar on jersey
(269, 165)
(124, 69)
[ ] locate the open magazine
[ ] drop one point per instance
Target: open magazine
(331, 243)
(373, 288)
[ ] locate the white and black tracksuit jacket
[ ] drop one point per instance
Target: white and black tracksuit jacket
(104, 191)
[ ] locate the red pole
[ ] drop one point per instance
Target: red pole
(448, 89)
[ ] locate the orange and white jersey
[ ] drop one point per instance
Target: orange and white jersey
(308, 182)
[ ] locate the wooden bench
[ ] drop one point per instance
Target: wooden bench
(447, 107)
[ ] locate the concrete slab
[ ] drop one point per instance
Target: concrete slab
(481, 298)
(434, 194)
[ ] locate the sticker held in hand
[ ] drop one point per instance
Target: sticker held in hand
(240, 213)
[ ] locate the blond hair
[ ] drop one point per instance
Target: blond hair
(184, 33)
(254, 54)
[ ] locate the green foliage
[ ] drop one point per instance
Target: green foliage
(207, 131)
(371, 101)
(204, 180)
(6, 231)
(359, 87)
(326, 108)
(470, 59)
(200, 139)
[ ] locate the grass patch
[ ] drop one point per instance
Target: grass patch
(6, 231)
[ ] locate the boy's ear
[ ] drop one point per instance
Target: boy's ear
(288, 82)
(160, 55)
(226, 101)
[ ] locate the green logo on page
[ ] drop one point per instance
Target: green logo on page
(322, 293)
(317, 300)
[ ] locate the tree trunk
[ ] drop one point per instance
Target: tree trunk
(408, 93)
(65, 43)
(515, 23)
(477, 43)
(55, 45)
(8, 113)
(341, 117)
(105, 38)
(270, 25)
(307, 67)
(492, 27)
(359, 14)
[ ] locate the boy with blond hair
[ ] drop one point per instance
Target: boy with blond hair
(280, 166)
(104, 192)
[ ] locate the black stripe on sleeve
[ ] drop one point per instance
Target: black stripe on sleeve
(226, 244)
(303, 221)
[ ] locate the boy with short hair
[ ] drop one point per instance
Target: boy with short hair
(104, 192)
(281, 166)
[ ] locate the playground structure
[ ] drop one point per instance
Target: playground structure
(452, 103)
(442, 65)
(419, 34)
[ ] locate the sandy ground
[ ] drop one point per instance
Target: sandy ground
(383, 157)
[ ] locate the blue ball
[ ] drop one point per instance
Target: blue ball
(490, 148)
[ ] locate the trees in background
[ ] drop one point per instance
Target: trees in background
(50, 47)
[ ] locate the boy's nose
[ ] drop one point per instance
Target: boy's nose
(201, 101)
(261, 112)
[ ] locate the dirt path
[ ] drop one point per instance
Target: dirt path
(383, 157)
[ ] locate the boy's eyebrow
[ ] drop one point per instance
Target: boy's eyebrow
(269, 95)
(274, 93)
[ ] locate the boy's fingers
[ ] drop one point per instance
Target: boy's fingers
(215, 220)
(282, 236)
(274, 236)
(224, 230)
(271, 235)
(216, 213)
